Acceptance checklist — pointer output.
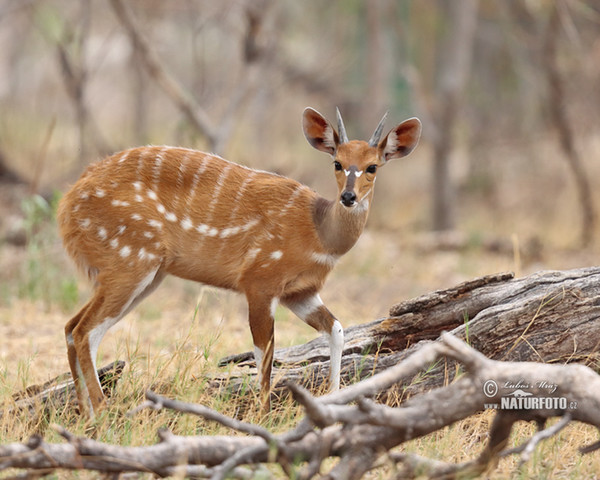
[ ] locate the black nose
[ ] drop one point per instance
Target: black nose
(348, 198)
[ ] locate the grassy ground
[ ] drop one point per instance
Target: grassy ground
(176, 337)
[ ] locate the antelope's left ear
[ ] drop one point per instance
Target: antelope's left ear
(401, 140)
(319, 133)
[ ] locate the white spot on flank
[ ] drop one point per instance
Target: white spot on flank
(121, 229)
(114, 243)
(84, 195)
(171, 217)
(144, 255)
(148, 235)
(102, 233)
(138, 198)
(136, 216)
(250, 224)
(202, 228)
(213, 232)
(152, 195)
(252, 253)
(137, 186)
(100, 193)
(276, 255)
(228, 232)
(119, 203)
(125, 251)
(155, 224)
(186, 223)
(85, 223)
(161, 208)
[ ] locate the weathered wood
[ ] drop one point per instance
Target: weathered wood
(550, 316)
(60, 391)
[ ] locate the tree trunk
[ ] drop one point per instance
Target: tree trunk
(557, 104)
(456, 66)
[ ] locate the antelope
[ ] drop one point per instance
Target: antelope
(146, 212)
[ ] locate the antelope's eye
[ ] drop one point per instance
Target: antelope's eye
(371, 168)
(337, 165)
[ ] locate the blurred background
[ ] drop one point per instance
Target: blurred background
(505, 178)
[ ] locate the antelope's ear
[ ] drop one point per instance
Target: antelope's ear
(319, 133)
(401, 140)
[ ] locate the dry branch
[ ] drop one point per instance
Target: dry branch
(216, 131)
(346, 424)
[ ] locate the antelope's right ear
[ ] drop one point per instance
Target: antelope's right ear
(319, 133)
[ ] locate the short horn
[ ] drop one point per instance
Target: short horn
(374, 140)
(341, 128)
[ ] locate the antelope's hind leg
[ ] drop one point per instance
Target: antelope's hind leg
(310, 309)
(85, 331)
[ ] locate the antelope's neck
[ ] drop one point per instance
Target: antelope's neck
(338, 227)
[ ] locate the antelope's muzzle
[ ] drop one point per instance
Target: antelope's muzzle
(348, 196)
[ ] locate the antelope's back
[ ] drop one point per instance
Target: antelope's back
(198, 215)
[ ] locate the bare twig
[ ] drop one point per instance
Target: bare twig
(158, 401)
(527, 448)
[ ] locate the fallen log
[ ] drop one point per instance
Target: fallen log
(59, 392)
(549, 316)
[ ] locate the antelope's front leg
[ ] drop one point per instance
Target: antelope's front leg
(261, 309)
(310, 309)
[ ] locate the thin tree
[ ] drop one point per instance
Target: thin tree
(453, 77)
(559, 117)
